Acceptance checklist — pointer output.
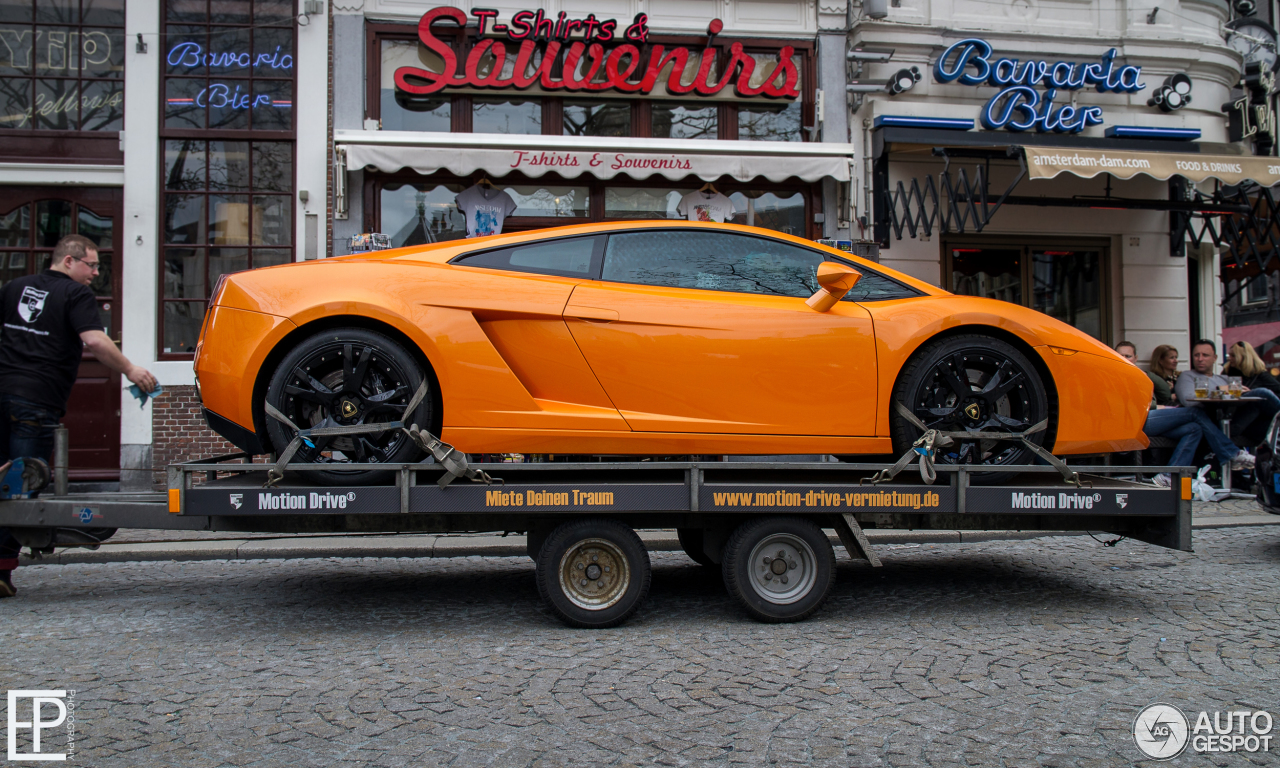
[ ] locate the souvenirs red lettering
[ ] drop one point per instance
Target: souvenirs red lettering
(587, 66)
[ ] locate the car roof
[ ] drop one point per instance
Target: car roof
(449, 249)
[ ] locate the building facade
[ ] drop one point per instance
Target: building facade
(1045, 152)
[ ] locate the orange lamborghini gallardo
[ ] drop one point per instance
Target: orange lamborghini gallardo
(646, 338)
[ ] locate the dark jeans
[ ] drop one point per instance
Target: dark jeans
(1251, 421)
(26, 430)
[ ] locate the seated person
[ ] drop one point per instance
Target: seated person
(1243, 361)
(1250, 421)
(1163, 372)
(1187, 426)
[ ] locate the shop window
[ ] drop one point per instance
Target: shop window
(557, 202)
(228, 207)
(506, 116)
(599, 118)
(405, 112)
(779, 211)
(62, 65)
(642, 202)
(229, 66)
(414, 214)
(993, 273)
(769, 122)
(1067, 285)
(677, 120)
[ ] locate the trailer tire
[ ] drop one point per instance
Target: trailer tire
(593, 573)
(692, 541)
(752, 561)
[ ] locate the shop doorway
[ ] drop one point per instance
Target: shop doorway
(32, 220)
(1065, 279)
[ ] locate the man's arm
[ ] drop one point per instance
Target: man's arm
(103, 348)
(1185, 388)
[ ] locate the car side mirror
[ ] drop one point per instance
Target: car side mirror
(834, 281)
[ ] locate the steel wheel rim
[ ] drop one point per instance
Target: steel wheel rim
(783, 568)
(602, 559)
(348, 383)
(992, 395)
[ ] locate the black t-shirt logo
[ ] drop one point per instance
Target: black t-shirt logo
(31, 304)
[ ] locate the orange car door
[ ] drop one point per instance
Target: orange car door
(696, 331)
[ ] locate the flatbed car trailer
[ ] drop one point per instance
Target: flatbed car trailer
(761, 523)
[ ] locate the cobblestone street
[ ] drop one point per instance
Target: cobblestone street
(1016, 653)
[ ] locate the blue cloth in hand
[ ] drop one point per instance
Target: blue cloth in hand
(137, 392)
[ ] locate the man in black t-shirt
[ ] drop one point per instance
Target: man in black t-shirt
(46, 321)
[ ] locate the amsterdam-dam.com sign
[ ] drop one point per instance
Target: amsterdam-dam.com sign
(1020, 105)
(634, 66)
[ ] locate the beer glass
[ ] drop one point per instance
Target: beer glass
(1202, 388)
(1234, 386)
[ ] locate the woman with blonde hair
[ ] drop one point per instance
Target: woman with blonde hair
(1243, 361)
(1164, 372)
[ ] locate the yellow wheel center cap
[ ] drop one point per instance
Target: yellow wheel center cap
(349, 409)
(972, 410)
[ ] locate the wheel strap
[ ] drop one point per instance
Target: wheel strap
(331, 428)
(924, 447)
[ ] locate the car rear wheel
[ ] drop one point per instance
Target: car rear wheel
(349, 376)
(972, 383)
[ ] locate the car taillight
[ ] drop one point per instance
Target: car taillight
(216, 296)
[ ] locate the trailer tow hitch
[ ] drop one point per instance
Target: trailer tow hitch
(448, 457)
(924, 448)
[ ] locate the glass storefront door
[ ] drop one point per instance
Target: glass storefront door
(1065, 280)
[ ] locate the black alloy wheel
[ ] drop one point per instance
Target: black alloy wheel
(348, 377)
(972, 383)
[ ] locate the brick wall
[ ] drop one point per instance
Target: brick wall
(178, 432)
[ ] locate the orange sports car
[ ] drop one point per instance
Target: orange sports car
(645, 338)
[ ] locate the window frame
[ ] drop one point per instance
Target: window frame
(1028, 245)
(25, 144)
(250, 136)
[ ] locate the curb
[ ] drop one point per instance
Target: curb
(432, 545)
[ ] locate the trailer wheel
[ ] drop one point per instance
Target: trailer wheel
(692, 542)
(593, 573)
(779, 568)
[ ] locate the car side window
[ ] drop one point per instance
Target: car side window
(570, 256)
(713, 261)
(720, 261)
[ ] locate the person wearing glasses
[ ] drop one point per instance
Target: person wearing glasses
(48, 320)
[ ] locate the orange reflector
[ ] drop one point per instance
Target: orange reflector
(1062, 351)
(1186, 488)
(175, 506)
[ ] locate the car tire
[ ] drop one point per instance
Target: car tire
(593, 573)
(356, 376)
(1004, 393)
(692, 542)
(751, 568)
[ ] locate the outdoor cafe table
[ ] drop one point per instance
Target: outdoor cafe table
(1225, 407)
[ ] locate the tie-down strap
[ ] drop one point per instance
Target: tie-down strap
(925, 446)
(455, 467)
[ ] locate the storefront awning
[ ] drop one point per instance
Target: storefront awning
(603, 158)
(1048, 162)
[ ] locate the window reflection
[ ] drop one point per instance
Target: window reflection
(601, 118)
(781, 212)
(990, 272)
(642, 202)
(712, 261)
(1067, 285)
(677, 120)
(550, 201)
(769, 122)
(506, 116)
(415, 214)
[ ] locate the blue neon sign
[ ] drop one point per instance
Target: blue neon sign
(1019, 106)
(190, 54)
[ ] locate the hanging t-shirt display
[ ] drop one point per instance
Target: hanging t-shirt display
(705, 206)
(485, 209)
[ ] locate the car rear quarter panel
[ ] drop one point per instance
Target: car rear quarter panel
(235, 344)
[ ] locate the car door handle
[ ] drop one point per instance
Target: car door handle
(592, 314)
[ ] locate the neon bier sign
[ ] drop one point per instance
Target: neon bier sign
(1019, 106)
(585, 64)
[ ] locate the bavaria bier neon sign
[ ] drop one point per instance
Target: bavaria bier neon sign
(1019, 106)
(587, 66)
